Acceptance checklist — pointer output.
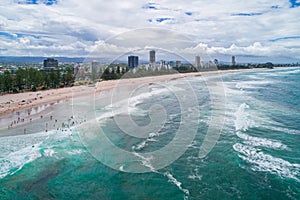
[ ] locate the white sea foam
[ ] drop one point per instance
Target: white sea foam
(17, 151)
(289, 71)
(49, 152)
(230, 87)
(284, 130)
(76, 151)
(16, 160)
(146, 161)
(144, 143)
(242, 118)
(177, 183)
(121, 168)
(141, 97)
(140, 146)
(252, 84)
(267, 163)
(193, 145)
(128, 106)
(256, 141)
(195, 177)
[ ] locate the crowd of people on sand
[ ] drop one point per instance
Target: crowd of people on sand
(64, 125)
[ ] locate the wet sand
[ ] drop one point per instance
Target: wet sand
(19, 111)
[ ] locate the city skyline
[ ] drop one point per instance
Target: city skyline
(255, 31)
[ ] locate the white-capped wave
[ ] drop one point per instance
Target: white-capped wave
(144, 143)
(141, 97)
(128, 106)
(10, 144)
(121, 168)
(284, 130)
(76, 151)
(193, 145)
(267, 163)
(289, 71)
(230, 91)
(256, 141)
(140, 145)
(242, 118)
(49, 152)
(195, 175)
(252, 84)
(146, 161)
(177, 183)
(16, 160)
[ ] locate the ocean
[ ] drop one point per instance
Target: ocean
(226, 136)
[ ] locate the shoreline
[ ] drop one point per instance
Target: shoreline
(20, 102)
(25, 108)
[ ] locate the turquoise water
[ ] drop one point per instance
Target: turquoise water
(256, 157)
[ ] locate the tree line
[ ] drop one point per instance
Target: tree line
(32, 79)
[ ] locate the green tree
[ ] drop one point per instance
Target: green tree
(68, 76)
(20, 79)
(1, 83)
(7, 81)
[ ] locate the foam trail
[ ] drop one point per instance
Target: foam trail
(144, 143)
(146, 161)
(267, 163)
(284, 130)
(255, 141)
(177, 183)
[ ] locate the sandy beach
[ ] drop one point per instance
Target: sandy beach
(16, 109)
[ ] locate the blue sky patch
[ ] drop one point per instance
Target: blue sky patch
(46, 2)
(163, 19)
(7, 35)
(286, 38)
(17, 35)
(189, 13)
(150, 6)
(294, 3)
(246, 14)
(275, 7)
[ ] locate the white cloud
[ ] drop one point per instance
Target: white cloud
(74, 28)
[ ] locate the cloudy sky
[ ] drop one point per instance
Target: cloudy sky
(253, 30)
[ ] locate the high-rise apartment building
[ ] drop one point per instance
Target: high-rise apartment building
(233, 60)
(197, 62)
(133, 62)
(152, 57)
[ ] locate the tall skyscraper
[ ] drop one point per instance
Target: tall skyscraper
(197, 62)
(133, 62)
(152, 57)
(233, 60)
